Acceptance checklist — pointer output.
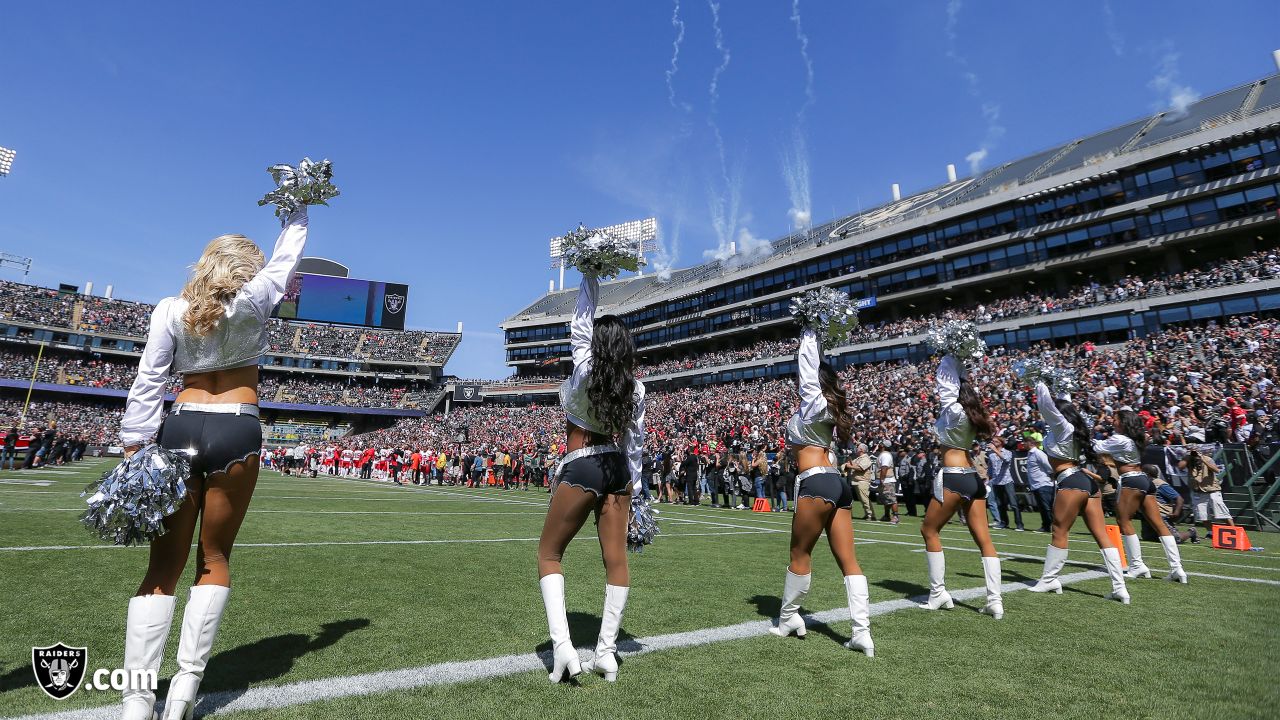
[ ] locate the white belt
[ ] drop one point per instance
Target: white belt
(218, 408)
(820, 470)
(1132, 473)
(1067, 472)
(953, 470)
(588, 451)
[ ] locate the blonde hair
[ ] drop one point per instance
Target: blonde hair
(228, 262)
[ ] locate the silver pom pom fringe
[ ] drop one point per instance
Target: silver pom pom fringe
(829, 313)
(956, 337)
(643, 526)
(1060, 381)
(595, 252)
(311, 183)
(129, 503)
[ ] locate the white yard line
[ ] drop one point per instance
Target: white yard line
(450, 673)
(44, 548)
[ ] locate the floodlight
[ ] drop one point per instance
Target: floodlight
(6, 160)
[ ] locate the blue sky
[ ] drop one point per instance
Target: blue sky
(465, 135)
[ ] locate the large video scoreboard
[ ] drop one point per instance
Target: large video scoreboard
(346, 301)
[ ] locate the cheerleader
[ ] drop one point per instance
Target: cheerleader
(822, 497)
(213, 334)
(604, 407)
(1066, 439)
(957, 486)
(1137, 492)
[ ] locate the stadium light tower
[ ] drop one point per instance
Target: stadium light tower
(6, 160)
(644, 233)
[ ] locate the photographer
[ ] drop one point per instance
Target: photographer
(1206, 489)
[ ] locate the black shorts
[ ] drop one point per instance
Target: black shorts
(965, 484)
(1075, 479)
(213, 441)
(828, 487)
(603, 474)
(1137, 481)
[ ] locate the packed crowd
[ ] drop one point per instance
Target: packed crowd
(1264, 265)
(119, 374)
(48, 307)
(94, 423)
(1199, 385)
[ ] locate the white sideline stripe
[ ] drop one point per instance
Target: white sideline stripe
(859, 529)
(450, 673)
(35, 548)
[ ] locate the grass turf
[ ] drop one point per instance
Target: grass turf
(367, 601)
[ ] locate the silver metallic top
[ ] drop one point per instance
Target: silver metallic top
(1121, 448)
(573, 391)
(1059, 434)
(814, 424)
(239, 339)
(952, 428)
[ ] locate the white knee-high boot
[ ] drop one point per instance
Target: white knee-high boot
(938, 595)
(146, 630)
(1054, 558)
(605, 661)
(1174, 556)
(1111, 557)
(566, 662)
(1133, 553)
(995, 601)
(200, 622)
(794, 589)
(855, 587)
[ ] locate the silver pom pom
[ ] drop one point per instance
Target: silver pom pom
(956, 337)
(595, 252)
(129, 503)
(311, 183)
(829, 313)
(643, 526)
(1060, 381)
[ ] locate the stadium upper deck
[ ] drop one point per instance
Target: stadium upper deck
(1164, 191)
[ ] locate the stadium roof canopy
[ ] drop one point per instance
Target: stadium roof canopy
(1130, 138)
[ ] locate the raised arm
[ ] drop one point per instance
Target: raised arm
(948, 380)
(143, 411)
(812, 401)
(584, 319)
(634, 446)
(267, 288)
(1053, 419)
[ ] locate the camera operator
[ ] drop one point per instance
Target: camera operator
(1206, 489)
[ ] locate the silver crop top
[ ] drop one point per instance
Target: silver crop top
(952, 428)
(1121, 448)
(813, 425)
(573, 391)
(239, 339)
(1059, 434)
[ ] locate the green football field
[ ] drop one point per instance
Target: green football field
(363, 600)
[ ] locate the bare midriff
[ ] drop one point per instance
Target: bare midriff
(237, 385)
(580, 438)
(955, 457)
(1058, 464)
(809, 457)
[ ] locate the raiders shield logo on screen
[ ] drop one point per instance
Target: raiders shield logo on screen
(394, 303)
(59, 669)
(468, 392)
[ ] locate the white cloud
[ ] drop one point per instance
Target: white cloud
(1174, 96)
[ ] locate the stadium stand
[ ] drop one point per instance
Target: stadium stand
(1060, 232)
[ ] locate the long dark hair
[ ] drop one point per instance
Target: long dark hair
(975, 410)
(837, 402)
(1082, 438)
(611, 385)
(1131, 426)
